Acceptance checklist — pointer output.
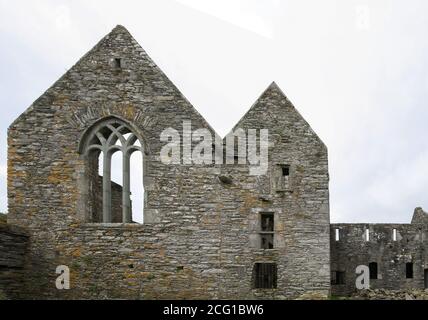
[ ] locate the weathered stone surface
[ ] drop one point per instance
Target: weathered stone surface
(201, 233)
(420, 216)
(13, 258)
(382, 294)
(196, 239)
(391, 255)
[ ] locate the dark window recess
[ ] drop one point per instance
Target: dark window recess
(373, 270)
(426, 278)
(285, 170)
(265, 276)
(117, 63)
(337, 277)
(266, 230)
(267, 222)
(266, 241)
(213, 149)
(409, 270)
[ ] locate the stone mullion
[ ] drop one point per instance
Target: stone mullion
(107, 185)
(126, 188)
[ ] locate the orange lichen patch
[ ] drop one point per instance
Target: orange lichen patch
(59, 173)
(129, 275)
(76, 253)
(162, 253)
(147, 275)
(279, 225)
(18, 198)
(249, 202)
(129, 111)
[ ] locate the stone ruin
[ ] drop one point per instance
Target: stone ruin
(209, 231)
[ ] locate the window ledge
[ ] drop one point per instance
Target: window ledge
(112, 225)
(265, 289)
(284, 190)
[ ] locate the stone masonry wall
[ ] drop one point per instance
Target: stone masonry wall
(13, 250)
(45, 172)
(301, 210)
(200, 236)
(201, 233)
(352, 250)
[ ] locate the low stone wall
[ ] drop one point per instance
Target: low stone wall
(381, 294)
(13, 249)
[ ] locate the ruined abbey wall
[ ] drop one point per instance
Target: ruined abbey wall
(390, 252)
(210, 231)
(201, 236)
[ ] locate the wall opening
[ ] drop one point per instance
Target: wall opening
(137, 187)
(282, 177)
(426, 278)
(337, 234)
(285, 170)
(409, 270)
(265, 276)
(367, 235)
(117, 63)
(337, 277)
(267, 230)
(394, 235)
(108, 148)
(373, 270)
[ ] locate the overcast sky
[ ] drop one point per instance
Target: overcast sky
(356, 70)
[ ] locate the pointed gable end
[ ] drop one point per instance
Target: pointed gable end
(116, 73)
(273, 111)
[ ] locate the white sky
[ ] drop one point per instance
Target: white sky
(356, 70)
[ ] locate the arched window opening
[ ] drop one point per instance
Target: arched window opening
(108, 148)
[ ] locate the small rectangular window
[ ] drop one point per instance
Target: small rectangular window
(267, 228)
(373, 270)
(285, 170)
(266, 241)
(337, 277)
(394, 235)
(409, 270)
(367, 235)
(265, 276)
(337, 234)
(267, 223)
(117, 63)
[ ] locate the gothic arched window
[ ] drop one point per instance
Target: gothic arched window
(98, 146)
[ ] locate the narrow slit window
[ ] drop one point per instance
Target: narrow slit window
(409, 270)
(394, 235)
(267, 230)
(337, 277)
(367, 235)
(285, 170)
(118, 63)
(337, 234)
(373, 270)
